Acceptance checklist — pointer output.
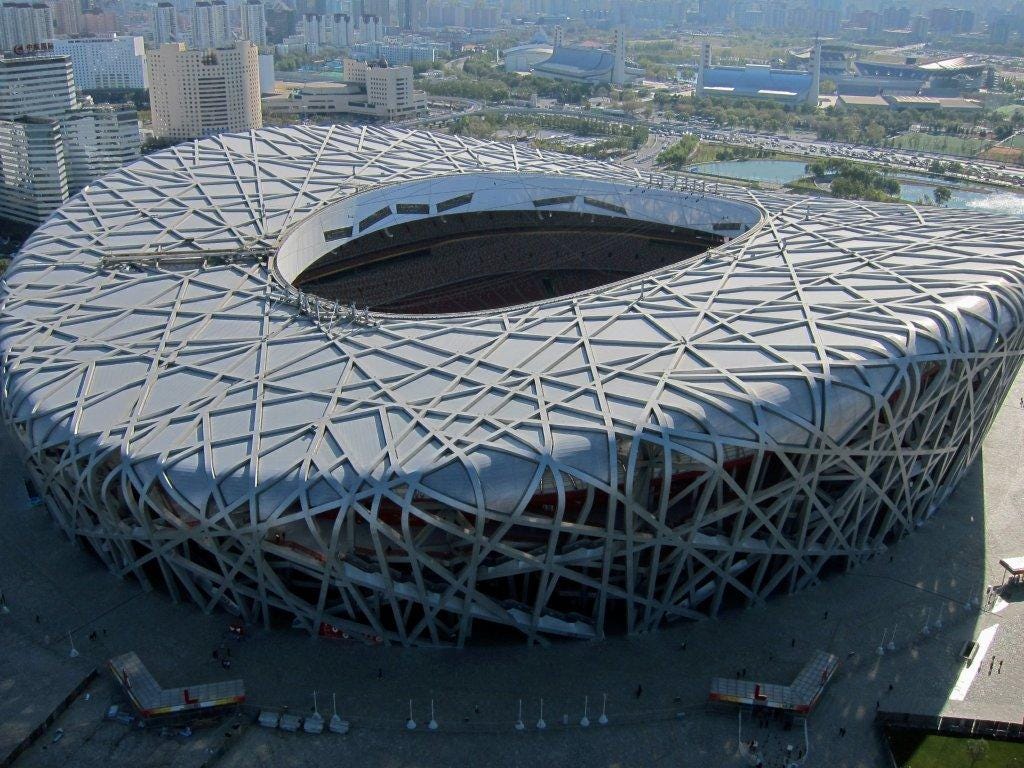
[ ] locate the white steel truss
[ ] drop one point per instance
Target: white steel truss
(717, 431)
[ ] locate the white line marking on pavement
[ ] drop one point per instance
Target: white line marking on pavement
(1000, 604)
(968, 673)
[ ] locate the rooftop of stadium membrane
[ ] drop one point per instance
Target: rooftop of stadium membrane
(155, 318)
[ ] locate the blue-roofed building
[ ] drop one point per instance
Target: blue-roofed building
(759, 81)
(589, 65)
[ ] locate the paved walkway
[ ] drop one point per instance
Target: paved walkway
(476, 691)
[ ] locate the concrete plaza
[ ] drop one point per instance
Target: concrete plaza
(656, 684)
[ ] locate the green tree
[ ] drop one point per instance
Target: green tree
(679, 153)
(942, 195)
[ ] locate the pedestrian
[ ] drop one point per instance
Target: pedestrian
(890, 687)
(1000, 670)
(792, 643)
(639, 690)
(37, 619)
(878, 705)
(825, 617)
(380, 673)
(682, 646)
(744, 672)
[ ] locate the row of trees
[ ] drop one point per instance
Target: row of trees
(479, 79)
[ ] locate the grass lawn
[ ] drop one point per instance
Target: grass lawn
(1017, 141)
(965, 146)
(928, 750)
(1010, 109)
(708, 153)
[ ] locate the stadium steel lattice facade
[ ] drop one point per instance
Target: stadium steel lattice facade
(726, 428)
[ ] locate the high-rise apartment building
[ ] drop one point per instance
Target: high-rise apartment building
(379, 8)
(253, 22)
(410, 14)
(51, 145)
(106, 62)
(210, 24)
(333, 30)
(23, 25)
(65, 16)
(195, 93)
(165, 23)
(96, 21)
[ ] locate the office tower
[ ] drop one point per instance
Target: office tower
(50, 144)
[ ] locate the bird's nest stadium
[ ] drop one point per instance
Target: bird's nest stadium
(582, 400)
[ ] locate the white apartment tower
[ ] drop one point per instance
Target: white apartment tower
(210, 24)
(196, 93)
(253, 22)
(165, 23)
(24, 24)
(113, 62)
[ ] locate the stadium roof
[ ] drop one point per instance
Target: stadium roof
(147, 320)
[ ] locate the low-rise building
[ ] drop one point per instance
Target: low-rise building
(371, 90)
